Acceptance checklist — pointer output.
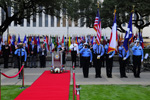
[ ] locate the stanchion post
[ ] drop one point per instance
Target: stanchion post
(73, 82)
(0, 84)
(78, 91)
(23, 77)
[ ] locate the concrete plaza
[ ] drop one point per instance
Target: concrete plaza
(31, 74)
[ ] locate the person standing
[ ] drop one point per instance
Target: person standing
(137, 58)
(80, 47)
(109, 61)
(123, 56)
(21, 57)
(33, 54)
(14, 48)
(62, 49)
(42, 56)
(87, 58)
(90, 46)
(26, 48)
(74, 52)
(99, 50)
(6, 53)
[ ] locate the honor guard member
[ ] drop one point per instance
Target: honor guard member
(21, 56)
(99, 50)
(94, 56)
(87, 58)
(137, 58)
(109, 61)
(74, 52)
(123, 56)
(80, 47)
(6, 53)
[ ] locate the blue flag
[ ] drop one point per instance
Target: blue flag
(25, 41)
(19, 39)
(128, 36)
(38, 43)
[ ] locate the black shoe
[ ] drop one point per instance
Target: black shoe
(35, 66)
(125, 77)
(121, 76)
(85, 77)
(109, 76)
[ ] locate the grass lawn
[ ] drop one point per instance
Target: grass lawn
(94, 92)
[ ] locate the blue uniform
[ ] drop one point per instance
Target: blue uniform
(98, 49)
(137, 51)
(109, 60)
(87, 57)
(137, 58)
(86, 52)
(122, 52)
(123, 55)
(80, 46)
(0, 48)
(23, 53)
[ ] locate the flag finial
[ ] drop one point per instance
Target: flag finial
(133, 8)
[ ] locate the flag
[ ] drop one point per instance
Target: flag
(35, 40)
(32, 39)
(52, 45)
(62, 39)
(9, 39)
(47, 43)
(13, 39)
(128, 35)
(19, 39)
(25, 40)
(113, 37)
(38, 43)
(69, 44)
(141, 39)
(97, 27)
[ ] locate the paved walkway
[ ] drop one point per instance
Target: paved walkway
(31, 74)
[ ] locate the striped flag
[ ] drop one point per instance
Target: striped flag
(25, 41)
(128, 35)
(141, 40)
(97, 27)
(114, 37)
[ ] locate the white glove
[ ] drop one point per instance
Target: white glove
(124, 58)
(110, 56)
(90, 61)
(141, 60)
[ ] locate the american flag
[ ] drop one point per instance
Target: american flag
(97, 27)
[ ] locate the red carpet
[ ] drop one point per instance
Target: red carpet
(48, 87)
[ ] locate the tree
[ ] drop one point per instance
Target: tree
(24, 9)
(124, 8)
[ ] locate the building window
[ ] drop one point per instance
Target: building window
(70, 22)
(52, 21)
(58, 21)
(82, 22)
(3, 16)
(40, 19)
(46, 20)
(28, 22)
(64, 21)
(76, 23)
(34, 20)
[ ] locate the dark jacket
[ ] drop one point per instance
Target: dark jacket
(42, 50)
(34, 50)
(5, 51)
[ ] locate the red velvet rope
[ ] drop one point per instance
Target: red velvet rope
(14, 75)
(74, 83)
(78, 97)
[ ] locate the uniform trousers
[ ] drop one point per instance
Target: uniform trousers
(109, 64)
(81, 61)
(86, 61)
(6, 58)
(73, 57)
(122, 64)
(42, 61)
(94, 59)
(98, 67)
(136, 65)
(20, 65)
